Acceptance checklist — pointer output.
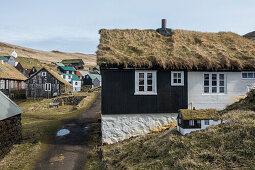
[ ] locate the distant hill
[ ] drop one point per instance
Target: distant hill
(45, 56)
(250, 35)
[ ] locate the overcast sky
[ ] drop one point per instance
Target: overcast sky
(73, 25)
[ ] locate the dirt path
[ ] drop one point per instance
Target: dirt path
(70, 151)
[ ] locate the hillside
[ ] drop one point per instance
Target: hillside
(45, 56)
(227, 146)
(250, 35)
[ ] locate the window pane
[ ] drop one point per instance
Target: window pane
(214, 89)
(149, 88)
(141, 82)
(175, 75)
(149, 75)
(179, 75)
(149, 82)
(214, 76)
(214, 83)
(206, 83)
(206, 89)
(206, 122)
(179, 80)
(221, 83)
(244, 75)
(141, 88)
(141, 75)
(221, 76)
(206, 76)
(250, 75)
(221, 89)
(175, 80)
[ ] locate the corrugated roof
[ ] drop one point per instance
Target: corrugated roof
(7, 71)
(94, 76)
(78, 73)
(8, 107)
(67, 68)
(202, 114)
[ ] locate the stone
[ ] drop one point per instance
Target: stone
(119, 127)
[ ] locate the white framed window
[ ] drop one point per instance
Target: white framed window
(177, 78)
(7, 84)
(145, 82)
(214, 83)
(69, 77)
(76, 83)
(206, 122)
(43, 73)
(2, 84)
(248, 75)
(191, 123)
(47, 86)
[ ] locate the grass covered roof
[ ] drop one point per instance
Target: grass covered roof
(202, 114)
(71, 61)
(183, 50)
(9, 72)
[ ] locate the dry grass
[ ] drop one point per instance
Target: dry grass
(219, 147)
(182, 50)
(46, 56)
(7, 71)
(202, 114)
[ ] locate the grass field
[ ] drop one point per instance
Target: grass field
(229, 146)
(37, 132)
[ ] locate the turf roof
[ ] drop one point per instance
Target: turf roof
(71, 61)
(183, 50)
(202, 114)
(7, 71)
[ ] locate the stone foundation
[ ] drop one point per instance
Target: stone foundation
(118, 127)
(10, 133)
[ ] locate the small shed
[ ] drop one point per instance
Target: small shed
(10, 123)
(194, 120)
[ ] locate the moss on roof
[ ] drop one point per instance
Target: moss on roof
(183, 50)
(70, 61)
(7, 71)
(67, 68)
(202, 114)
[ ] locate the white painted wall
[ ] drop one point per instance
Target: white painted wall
(203, 126)
(67, 78)
(236, 88)
(77, 87)
(123, 126)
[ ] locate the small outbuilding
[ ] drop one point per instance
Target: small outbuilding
(194, 120)
(10, 123)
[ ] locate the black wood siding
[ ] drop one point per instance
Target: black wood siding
(118, 87)
(36, 85)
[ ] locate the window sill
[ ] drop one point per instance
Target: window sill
(177, 84)
(138, 93)
(214, 94)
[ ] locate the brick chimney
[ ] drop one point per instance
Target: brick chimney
(163, 30)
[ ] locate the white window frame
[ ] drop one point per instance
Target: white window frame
(205, 122)
(191, 122)
(47, 86)
(182, 78)
(43, 74)
(218, 83)
(2, 84)
(248, 72)
(154, 82)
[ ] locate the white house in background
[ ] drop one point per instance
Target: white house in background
(193, 120)
(72, 79)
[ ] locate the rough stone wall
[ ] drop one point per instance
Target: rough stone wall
(116, 128)
(10, 133)
(72, 100)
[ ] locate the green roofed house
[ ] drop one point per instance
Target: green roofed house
(76, 63)
(67, 70)
(72, 79)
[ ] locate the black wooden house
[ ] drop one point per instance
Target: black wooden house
(46, 84)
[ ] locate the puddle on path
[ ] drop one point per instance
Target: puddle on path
(63, 132)
(86, 128)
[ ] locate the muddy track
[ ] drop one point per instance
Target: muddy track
(68, 150)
